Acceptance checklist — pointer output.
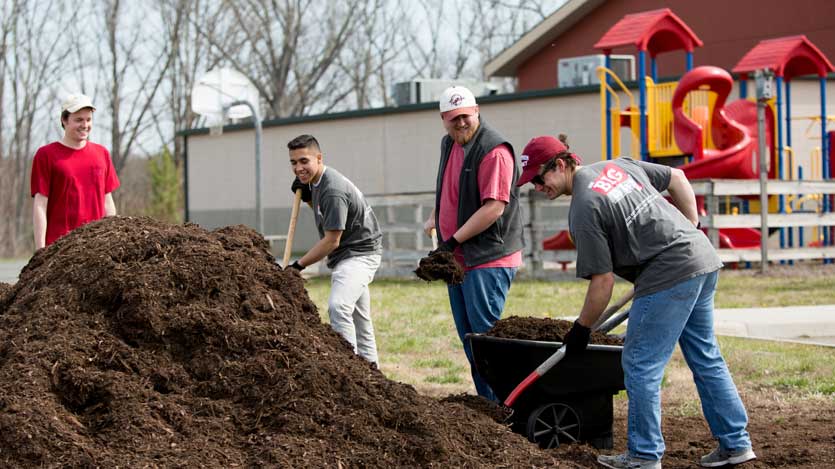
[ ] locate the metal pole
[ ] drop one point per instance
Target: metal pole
(259, 209)
(763, 94)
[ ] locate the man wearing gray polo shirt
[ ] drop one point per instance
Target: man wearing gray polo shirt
(622, 225)
(350, 237)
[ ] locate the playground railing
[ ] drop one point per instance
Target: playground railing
(614, 113)
(715, 189)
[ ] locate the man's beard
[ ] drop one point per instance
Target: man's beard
(462, 138)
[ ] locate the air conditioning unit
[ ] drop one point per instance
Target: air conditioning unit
(582, 70)
(427, 90)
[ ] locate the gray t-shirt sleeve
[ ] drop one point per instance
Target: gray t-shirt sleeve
(334, 212)
(593, 253)
(658, 174)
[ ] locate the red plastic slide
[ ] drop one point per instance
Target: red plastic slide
(733, 128)
(734, 132)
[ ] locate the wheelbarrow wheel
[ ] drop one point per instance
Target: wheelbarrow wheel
(553, 424)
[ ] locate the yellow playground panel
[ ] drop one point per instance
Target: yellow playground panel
(661, 142)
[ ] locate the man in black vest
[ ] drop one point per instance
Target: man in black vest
(477, 216)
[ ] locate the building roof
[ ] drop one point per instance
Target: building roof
(654, 31)
(788, 57)
(506, 63)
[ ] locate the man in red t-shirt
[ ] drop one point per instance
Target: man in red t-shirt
(72, 179)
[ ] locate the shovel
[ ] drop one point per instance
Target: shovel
(291, 231)
(557, 356)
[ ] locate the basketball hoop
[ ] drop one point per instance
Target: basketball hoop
(214, 121)
(222, 93)
(215, 92)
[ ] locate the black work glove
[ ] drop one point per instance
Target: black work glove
(295, 265)
(446, 246)
(306, 195)
(576, 339)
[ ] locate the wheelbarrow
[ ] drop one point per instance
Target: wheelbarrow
(571, 403)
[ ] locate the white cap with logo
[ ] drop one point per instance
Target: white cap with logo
(76, 102)
(457, 100)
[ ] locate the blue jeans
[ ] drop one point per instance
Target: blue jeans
(683, 314)
(476, 306)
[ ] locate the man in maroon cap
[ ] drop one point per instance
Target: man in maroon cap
(477, 217)
(622, 225)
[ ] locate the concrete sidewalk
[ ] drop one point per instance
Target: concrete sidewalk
(807, 324)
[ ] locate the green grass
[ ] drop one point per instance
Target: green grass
(794, 369)
(418, 344)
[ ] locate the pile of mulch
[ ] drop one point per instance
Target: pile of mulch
(440, 266)
(134, 343)
(544, 329)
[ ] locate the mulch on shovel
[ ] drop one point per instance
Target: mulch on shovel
(134, 343)
(441, 266)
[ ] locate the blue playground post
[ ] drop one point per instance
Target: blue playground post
(825, 170)
(792, 161)
(780, 172)
(642, 87)
(608, 64)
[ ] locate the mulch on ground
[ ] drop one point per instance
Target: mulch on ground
(135, 343)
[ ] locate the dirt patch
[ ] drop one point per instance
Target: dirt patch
(441, 266)
(545, 329)
(796, 435)
(136, 343)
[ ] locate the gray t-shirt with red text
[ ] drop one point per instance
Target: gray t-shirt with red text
(621, 223)
(339, 205)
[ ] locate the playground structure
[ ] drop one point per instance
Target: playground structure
(691, 124)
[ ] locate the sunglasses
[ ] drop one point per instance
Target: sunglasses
(547, 166)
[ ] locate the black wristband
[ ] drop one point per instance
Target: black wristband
(452, 242)
(297, 266)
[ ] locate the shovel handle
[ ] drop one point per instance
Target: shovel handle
(434, 237)
(612, 309)
(291, 231)
(555, 358)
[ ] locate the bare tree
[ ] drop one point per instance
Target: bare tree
(181, 20)
(288, 49)
(33, 56)
(136, 66)
(369, 57)
(455, 39)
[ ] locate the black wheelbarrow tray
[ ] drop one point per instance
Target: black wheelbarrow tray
(570, 403)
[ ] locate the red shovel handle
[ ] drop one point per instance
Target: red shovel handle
(555, 358)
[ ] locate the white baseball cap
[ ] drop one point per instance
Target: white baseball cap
(457, 100)
(75, 102)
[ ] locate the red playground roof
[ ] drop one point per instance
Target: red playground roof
(788, 57)
(654, 31)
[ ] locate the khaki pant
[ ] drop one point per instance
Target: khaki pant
(349, 304)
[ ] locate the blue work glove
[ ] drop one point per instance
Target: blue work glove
(446, 246)
(576, 339)
(306, 195)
